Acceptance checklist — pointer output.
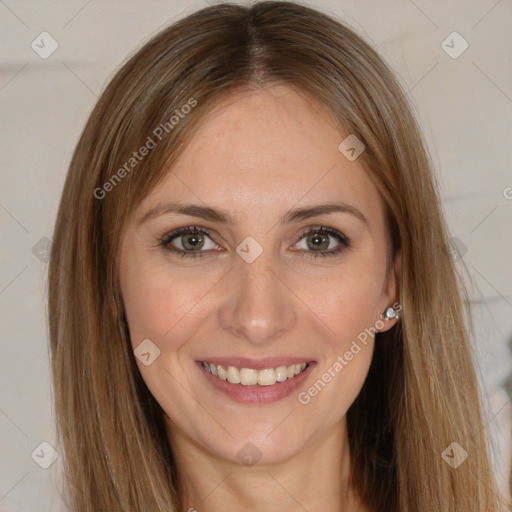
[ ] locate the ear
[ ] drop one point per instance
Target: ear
(391, 295)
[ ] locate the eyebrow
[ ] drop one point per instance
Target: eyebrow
(224, 217)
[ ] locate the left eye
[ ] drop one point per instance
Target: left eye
(320, 241)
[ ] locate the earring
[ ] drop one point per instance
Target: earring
(390, 313)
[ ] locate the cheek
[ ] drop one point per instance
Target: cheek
(345, 352)
(156, 304)
(347, 302)
(162, 310)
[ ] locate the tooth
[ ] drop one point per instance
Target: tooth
(233, 375)
(266, 377)
(281, 374)
(252, 377)
(222, 374)
(248, 377)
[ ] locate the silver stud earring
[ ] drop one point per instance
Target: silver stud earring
(390, 313)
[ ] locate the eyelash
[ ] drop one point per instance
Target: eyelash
(169, 237)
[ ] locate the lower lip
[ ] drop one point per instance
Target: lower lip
(257, 394)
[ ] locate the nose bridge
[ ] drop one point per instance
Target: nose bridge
(258, 306)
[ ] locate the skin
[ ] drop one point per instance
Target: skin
(258, 155)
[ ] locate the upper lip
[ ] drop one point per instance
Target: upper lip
(256, 364)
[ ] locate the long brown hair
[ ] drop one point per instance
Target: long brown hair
(421, 393)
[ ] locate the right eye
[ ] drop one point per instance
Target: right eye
(191, 239)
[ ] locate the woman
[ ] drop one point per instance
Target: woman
(252, 302)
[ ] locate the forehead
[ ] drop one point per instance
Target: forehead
(268, 130)
(263, 150)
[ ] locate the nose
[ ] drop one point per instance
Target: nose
(258, 305)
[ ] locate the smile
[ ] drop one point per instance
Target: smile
(253, 377)
(270, 382)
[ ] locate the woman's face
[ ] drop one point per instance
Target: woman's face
(265, 284)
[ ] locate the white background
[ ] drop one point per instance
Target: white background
(464, 106)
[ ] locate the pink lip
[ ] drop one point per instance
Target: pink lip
(256, 364)
(257, 394)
